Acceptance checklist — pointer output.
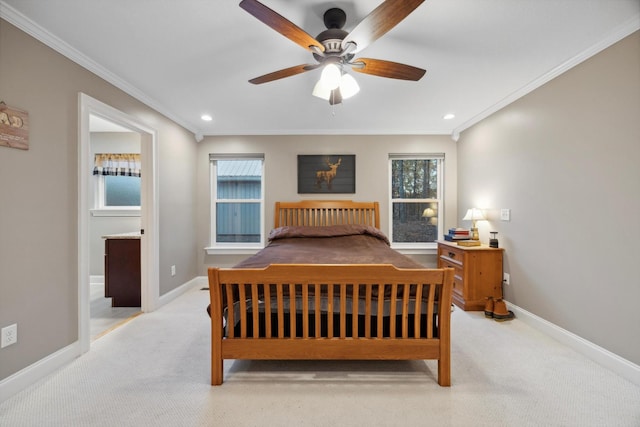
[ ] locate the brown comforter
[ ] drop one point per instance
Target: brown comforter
(336, 244)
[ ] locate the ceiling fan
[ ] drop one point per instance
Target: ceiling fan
(334, 49)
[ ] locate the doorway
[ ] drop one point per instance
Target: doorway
(114, 222)
(147, 222)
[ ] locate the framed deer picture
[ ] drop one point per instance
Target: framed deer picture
(332, 173)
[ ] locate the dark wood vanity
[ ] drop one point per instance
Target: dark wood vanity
(122, 269)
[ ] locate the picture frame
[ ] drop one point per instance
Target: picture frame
(14, 127)
(327, 173)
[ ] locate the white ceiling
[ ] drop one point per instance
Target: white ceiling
(190, 57)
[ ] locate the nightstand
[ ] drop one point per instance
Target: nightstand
(477, 275)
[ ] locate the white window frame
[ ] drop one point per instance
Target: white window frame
(406, 247)
(234, 247)
(99, 198)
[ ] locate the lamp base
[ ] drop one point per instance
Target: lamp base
(474, 234)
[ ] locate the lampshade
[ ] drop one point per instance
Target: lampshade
(428, 213)
(348, 86)
(474, 214)
(321, 90)
(331, 76)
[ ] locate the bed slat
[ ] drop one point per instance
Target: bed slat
(405, 310)
(343, 310)
(255, 300)
(317, 291)
(243, 311)
(292, 310)
(417, 311)
(305, 311)
(367, 312)
(281, 311)
(267, 309)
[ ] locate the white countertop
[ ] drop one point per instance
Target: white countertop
(131, 235)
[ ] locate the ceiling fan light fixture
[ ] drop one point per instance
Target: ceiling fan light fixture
(331, 76)
(348, 86)
(321, 90)
(336, 97)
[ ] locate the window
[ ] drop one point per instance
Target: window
(416, 200)
(237, 195)
(120, 191)
(117, 184)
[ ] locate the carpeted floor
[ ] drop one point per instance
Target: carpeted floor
(154, 371)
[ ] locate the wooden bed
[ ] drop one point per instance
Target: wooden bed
(277, 315)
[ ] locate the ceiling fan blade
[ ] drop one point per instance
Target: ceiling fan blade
(393, 70)
(280, 24)
(281, 74)
(380, 21)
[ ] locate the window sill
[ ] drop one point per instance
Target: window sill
(406, 250)
(115, 212)
(221, 250)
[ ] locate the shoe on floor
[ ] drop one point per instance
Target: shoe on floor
(488, 307)
(500, 312)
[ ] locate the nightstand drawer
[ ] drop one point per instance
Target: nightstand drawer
(452, 256)
(458, 283)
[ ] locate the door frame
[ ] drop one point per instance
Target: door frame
(149, 248)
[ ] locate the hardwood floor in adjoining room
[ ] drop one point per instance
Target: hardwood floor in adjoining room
(104, 317)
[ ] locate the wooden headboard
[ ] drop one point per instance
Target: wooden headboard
(327, 212)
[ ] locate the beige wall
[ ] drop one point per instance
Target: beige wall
(372, 174)
(566, 160)
(39, 198)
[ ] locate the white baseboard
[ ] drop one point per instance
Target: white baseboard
(175, 293)
(626, 369)
(33, 373)
(49, 364)
(96, 280)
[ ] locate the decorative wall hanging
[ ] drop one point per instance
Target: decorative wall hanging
(334, 173)
(14, 127)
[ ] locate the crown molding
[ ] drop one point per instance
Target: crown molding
(628, 28)
(14, 17)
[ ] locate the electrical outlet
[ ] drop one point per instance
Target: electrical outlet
(9, 335)
(506, 279)
(173, 270)
(505, 214)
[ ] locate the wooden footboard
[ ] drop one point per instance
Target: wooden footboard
(280, 300)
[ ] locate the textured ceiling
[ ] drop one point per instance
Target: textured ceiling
(190, 57)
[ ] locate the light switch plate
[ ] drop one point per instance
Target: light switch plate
(505, 214)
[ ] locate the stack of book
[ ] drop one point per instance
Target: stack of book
(457, 234)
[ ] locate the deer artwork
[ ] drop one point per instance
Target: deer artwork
(327, 176)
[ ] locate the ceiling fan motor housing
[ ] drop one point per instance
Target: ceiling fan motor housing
(331, 38)
(334, 18)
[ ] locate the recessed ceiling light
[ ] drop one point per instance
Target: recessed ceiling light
(206, 117)
(449, 116)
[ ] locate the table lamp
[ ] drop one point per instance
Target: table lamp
(474, 214)
(431, 215)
